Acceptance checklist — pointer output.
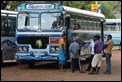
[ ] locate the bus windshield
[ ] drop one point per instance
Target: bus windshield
(28, 21)
(52, 21)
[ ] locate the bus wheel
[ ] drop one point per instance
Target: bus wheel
(31, 63)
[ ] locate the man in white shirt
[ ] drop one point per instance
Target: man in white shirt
(92, 54)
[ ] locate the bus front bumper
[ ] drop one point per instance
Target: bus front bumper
(34, 57)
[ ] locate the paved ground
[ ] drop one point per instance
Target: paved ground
(50, 72)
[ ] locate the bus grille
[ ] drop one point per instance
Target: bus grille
(32, 40)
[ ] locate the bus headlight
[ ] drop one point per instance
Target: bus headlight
(23, 49)
(57, 49)
(20, 49)
(52, 49)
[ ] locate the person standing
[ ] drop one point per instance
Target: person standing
(62, 52)
(74, 54)
(97, 59)
(108, 54)
(91, 53)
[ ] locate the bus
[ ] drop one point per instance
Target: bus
(8, 27)
(113, 27)
(40, 26)
(84, 25)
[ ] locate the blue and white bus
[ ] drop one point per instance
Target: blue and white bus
(8, 27)
(113, 27)
(40, 26)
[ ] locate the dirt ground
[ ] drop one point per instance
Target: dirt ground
(50, 72)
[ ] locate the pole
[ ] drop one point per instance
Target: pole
(102, 30)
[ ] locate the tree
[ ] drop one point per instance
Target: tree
(4, 4)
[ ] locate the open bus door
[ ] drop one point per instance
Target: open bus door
(68, 34)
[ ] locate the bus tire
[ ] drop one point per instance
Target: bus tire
(31, 63)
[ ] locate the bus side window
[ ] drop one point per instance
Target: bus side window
(6, 29)
(9, 24)
(5, 24)
(67, 21)
(78, 25)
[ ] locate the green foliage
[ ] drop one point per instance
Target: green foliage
(14, 4)
(107, 10)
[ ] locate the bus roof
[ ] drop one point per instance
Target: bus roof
(84, 12)
(113, 20)
(8, 12)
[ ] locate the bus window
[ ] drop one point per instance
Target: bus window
(55, 22)
(3, 25)
(21, 21)
(99, 26)
(28, 21)
(12, 25)
(119, 26)
(72, 23)
(78, 25)
(8, 26)
(85, 23)
(34, 21)
(89, 25)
